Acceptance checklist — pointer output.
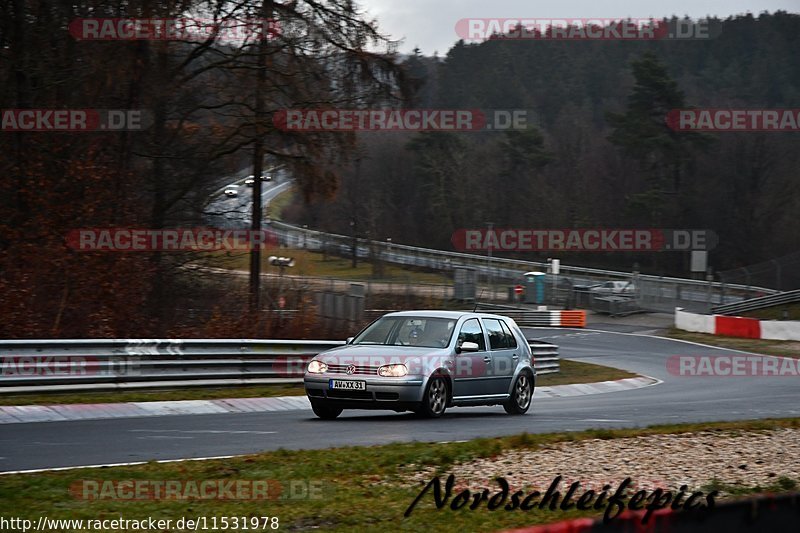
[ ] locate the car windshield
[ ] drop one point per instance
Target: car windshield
(418, 331)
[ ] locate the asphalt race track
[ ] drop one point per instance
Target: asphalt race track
(677, 399)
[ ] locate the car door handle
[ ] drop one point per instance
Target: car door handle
(515, 356)
(487, 359)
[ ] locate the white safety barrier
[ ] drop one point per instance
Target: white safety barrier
(737, 326)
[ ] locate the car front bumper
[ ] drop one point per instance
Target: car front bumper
(381, 393)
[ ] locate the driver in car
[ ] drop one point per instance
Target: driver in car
(436, 335)
(415, 336)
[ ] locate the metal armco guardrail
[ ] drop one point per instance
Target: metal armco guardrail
(545, 357)
(531, 317)
(555, 318)
(97, 364)
(752, 304)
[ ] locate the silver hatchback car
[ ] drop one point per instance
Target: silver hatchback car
(425, 361)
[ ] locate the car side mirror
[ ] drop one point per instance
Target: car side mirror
(468, 347)
(349, 340)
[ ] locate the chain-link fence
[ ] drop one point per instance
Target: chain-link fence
(782, 274)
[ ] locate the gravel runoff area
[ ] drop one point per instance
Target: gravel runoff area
(740, 459)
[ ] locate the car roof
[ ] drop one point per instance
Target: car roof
(443, 314)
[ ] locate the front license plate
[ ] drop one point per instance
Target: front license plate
(347, 384)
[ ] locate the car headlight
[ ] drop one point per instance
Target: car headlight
(317, 367)
(393, 371)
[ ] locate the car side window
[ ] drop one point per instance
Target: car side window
(511, 341)
(471, 332)
(497, 337)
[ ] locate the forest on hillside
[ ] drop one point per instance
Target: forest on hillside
(600, 154)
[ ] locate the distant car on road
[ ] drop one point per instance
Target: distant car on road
(249, 181)
(425, 361)
(232, 191)
(615, 288)
(266, 177)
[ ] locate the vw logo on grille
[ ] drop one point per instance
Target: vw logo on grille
(351, 369)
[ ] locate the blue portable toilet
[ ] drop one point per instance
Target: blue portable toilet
(534, 287)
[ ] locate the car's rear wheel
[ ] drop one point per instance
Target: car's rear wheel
(325, 412)
(521, 395)
(434, 401)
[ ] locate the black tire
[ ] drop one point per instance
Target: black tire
(521, 395)
(434, 401)
(325, 412)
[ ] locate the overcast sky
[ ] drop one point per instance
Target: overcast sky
(430, 24)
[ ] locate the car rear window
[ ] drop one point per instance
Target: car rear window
(511, 341)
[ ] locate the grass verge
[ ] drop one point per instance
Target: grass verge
(356, 488)
(315, 264)
(574, 372)
(767, 347)
(571, 372)
(779, 312)
(279, 203)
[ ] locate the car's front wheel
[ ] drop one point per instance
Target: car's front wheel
(434, 401)
(325, 412)
(521, 395)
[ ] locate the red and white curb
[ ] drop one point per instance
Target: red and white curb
(600, 387)
(100, 411)
(737, 326)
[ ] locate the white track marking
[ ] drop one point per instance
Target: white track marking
(212, 431)
(110, 465)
